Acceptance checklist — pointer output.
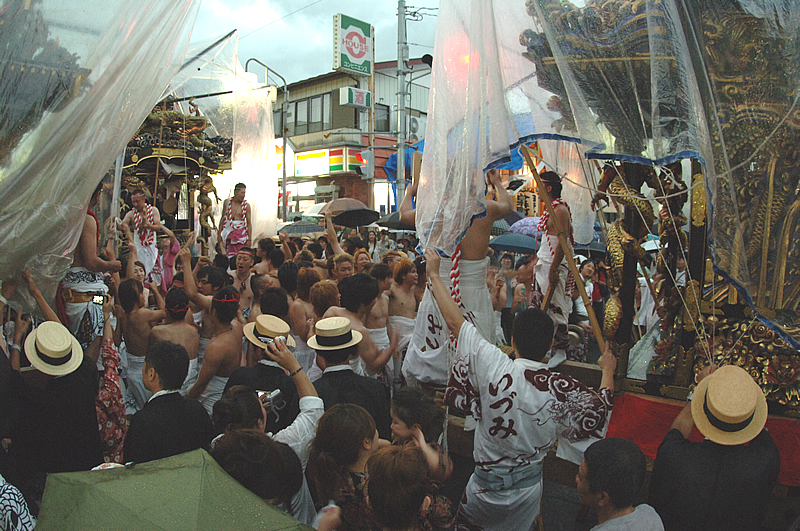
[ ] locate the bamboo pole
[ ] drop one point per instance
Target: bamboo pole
(562, 241)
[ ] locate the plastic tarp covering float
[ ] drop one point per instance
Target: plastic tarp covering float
(649, 82)
(77, 79)
(245, 115)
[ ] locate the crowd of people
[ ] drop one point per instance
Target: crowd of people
(307, 367)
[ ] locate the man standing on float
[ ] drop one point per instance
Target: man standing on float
(236, 225)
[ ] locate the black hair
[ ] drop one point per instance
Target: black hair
(239, 185)
(554, 180)
(266, 245)
(532, 332)
(214, 276)
(617, 467)
(176, 304)
(287, 276)
(316, 249)
(348, 246)
(335, 357)
(357, 290)
(128, 292)
(170, 361)
(277, 257)
(380, 272)
(178, 277)
(226, 303)
(258, 283)
(136, 191)
(239, 408)
(414, 406)
(267, 468)
(422, 266)
(274, 302)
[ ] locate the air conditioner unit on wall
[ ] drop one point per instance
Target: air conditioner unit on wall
(416, 127)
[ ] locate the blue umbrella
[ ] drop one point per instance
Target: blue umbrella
(515, 243)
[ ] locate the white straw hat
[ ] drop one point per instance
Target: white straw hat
(53, 350)
(729, 407)
(334, 333)
(266, 328)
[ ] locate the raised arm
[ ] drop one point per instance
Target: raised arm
(189, 285)
(502, 205)
(160, 304)
(287, 252)
(608, 364)
(333, 240)
(47, 311)
(450, 310)
(407, 213)
(169, 233)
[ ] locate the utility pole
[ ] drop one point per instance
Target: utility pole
(402, 56)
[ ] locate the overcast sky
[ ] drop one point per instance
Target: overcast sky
(295, 37)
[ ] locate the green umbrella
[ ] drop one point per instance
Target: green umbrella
(186, 491)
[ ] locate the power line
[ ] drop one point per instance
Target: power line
(281, 18)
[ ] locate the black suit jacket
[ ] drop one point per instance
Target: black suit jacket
(269, 378)
(167, 425)
(346, 387)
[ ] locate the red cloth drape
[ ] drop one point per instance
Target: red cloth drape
(646, 422)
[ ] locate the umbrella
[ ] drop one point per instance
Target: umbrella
(527, 226)
(515, 243)
(186, 491)
(342, 204)
(301, 227)
(515, 216)
(499, 227)
(392, 221)
(356, 217)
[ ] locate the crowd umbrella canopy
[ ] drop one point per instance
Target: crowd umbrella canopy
(694, 103)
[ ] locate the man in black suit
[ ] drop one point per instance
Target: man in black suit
(335, 343)
(169, 424)
(267, 375)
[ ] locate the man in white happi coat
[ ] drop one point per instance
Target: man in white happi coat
(145, 220)
(521, 408)
(236, 228)
(426, 357)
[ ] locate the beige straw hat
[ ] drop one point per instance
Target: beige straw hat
(266, 328)
(334, 333)
(53, 350)
(729, 407)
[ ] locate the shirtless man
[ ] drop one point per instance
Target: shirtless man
(377, 322)
(136, 321)
(403, 302)
(359, 294)
(223, 354)
(84, 281)
(177, 330)
(241, 277)
(236, 225)
(426, 357)
(301, 316)
(200, 292)
(343, 266)
(144, 220)
(265, 246)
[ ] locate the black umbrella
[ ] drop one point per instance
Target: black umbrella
(302, 227)
(356, 217)
(515, 243)
(392, 221)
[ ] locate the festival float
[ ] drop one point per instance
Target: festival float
(682, 115)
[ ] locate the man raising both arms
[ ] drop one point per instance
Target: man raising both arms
(236, 224)
(523, 409)
(145, 220)
(426, 357)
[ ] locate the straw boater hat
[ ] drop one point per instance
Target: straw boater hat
(729, 407)
(267, 327)
(334, 333)
(53, 350)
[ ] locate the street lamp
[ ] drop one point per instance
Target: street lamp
(284, 199)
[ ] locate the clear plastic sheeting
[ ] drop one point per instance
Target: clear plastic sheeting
(245, 115)
(647, 82)
(614, 77)
(77, 79)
